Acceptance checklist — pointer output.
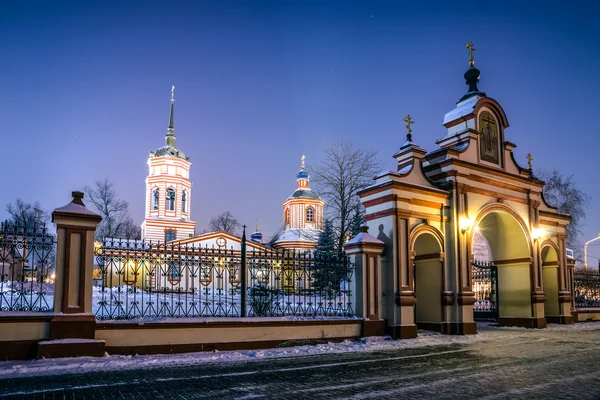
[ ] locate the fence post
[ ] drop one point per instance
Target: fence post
(365, 251)
(75, 228)
(244, 267)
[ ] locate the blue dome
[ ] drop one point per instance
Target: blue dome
(302, 174)
(256, 236)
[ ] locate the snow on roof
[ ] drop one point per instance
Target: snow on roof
(464, 108)
(299, 235)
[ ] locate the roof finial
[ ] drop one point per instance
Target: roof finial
(471, 58)
(257, 224)
(170, 138)
(408, 121)
(529, 159)
(303, 157)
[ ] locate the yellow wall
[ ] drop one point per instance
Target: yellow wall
(429, 290)
(550, 277)
(225, 334)
(514, 291)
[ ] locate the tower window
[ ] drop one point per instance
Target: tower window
(170, 200)
(309, 214)
(287, 216)
(155, 199)
(184, 202)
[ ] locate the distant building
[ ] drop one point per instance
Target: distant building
(302, 216)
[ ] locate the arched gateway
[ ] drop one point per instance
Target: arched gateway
(428, 211)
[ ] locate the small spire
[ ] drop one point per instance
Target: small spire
(303, 157)
(170, 138)
(256, 224)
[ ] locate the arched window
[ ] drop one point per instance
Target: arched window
(184, 202)
(287, 216)
(310, 214)
(155, 199)
(170, 200)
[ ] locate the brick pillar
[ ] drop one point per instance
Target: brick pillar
(365, 252)
(73, 317)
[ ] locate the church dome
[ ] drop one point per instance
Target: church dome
(169, 151)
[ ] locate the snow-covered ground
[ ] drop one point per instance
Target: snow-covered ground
(488, 332)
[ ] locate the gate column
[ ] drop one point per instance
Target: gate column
(366, 251)
(73, 316)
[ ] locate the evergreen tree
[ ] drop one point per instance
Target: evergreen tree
(329, 267)
(356, 222)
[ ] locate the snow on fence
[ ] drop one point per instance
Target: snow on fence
(27, 261)
(144, 279)
(586, 288)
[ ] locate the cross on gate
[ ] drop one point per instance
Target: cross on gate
(529, 159)
(408, 121)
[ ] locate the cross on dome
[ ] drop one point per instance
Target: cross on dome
(471, 58)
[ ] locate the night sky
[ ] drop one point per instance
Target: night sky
(85, 91)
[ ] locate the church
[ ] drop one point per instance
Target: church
(168, 205)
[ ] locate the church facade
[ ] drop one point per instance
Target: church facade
(428, 211)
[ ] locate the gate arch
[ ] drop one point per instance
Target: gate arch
(426, 246)
(550, 271)
(510, 247)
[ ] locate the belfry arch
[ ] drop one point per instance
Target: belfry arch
(426, 212)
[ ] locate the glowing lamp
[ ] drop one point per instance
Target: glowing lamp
(537, 233)
(465, 223)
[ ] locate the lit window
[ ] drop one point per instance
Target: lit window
(169, 235)
(155, 199)
(170, 200)
(309, 215)
(184, 202)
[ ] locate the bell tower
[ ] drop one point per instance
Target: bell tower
(168, 190)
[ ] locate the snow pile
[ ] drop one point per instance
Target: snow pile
(11, 369)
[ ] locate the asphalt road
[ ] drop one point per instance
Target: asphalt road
(507, 363)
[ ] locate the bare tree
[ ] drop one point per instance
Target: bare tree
(344, 171)
(224, 222)
(560, 192)
(116, 221)
(27, 214)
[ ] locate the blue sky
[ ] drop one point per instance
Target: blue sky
(86, 88)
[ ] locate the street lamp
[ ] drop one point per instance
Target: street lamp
(585, 250)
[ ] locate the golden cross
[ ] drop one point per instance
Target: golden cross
(408, 121)
(303, 157)
(471, 58)
(172, 92)
(529, 159)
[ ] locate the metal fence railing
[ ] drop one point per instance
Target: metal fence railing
(586, 288)
(139, 279)
(27, 264)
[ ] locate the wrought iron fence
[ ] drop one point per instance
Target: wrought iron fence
(153, 280)
(587, 288)
(27, 263)
(485, 287)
